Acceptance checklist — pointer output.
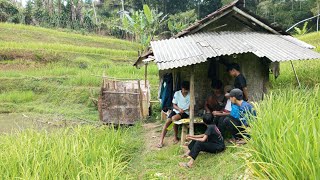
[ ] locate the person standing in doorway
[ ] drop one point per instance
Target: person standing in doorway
(240, 81)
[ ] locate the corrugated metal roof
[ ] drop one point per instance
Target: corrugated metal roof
(223, 11)
(196, 48)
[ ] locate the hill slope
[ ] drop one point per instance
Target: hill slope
(52, 72)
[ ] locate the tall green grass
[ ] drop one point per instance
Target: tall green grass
(22, 33)
(17, 96)
(83, 152)
(285, 136)
(308, 72)
(68, 48)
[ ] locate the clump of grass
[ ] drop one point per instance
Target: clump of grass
(23, 33)
(83, 152)
(17, 96)
(61, 48)
(285, 136)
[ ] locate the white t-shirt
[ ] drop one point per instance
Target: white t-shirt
(181, 101)
(228, 105)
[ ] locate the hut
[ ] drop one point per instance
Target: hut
(230, 34)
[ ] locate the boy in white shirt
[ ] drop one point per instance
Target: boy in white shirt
(181, 105)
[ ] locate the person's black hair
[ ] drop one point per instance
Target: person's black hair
(233, 66)
(208, 118)
(216, 84)
(185, 85)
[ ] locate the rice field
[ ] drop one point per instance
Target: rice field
(81, 152)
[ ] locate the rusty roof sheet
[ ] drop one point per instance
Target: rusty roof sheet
(196, 48)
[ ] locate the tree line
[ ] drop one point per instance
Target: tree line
(141, 20)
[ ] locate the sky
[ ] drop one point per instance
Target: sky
(24, 2)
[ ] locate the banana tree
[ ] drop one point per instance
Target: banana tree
(143, 24)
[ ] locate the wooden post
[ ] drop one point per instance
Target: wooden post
(145, 75)
(147, 103)
(295, 74)
(192, 99)
(173, 80)
(184, 132)
(140, 98)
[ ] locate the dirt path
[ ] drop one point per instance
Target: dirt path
(152, 136)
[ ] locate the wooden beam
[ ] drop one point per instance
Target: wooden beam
(114, 92)
(192, 100)
(209, 22)
(255, 20)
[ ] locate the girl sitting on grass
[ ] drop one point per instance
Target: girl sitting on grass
(211, 141)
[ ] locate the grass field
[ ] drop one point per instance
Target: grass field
(51, 76)
(53, 72)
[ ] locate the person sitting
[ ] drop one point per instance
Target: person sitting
(220, 115)
(211, 141)
(181, 105)
(241, 111)
(216, 101)
(240, 81)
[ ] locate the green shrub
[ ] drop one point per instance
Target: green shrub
(285, 137)
(83, 152)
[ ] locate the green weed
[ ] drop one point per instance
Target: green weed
(17, 96)
(83, 152)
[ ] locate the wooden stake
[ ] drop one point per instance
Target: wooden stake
(140, 98)
(145, 75)
(295, 74)
(192, 99)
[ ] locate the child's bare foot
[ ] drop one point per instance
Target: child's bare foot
(241, 141)
(232, 141)
(160, 145)
(184, 165)
(184, 156)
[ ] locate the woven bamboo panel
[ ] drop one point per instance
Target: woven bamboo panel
(123, 102)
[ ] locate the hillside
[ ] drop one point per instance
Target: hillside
(54, 73)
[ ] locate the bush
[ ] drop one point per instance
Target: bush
(285, 137)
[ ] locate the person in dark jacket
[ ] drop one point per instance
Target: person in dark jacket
(211, 141)
(240, 81)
